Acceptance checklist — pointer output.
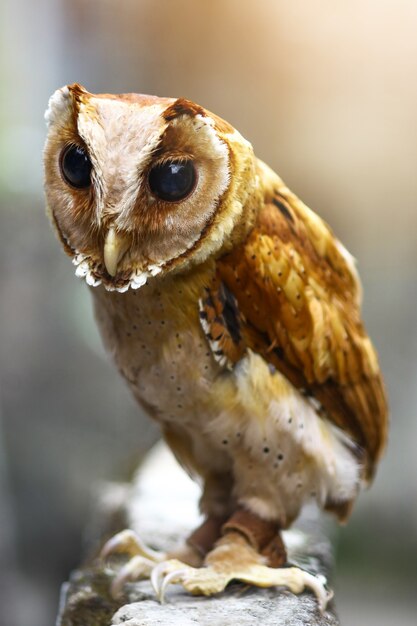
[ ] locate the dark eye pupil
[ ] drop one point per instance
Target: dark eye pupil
(173, 180)
(76, 167)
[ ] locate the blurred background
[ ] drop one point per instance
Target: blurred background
(327, 93)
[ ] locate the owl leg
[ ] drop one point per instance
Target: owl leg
(245, 552)
(142, 559)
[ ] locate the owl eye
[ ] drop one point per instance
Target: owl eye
(76, 167)
(173, 180)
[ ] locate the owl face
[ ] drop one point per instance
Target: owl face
(139, 186)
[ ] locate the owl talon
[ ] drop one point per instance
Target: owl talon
(136, 569)
(173, 577)
(156, 577)
(162, 571)
(140, 564)
(128, 542)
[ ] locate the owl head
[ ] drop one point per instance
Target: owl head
(139, 186)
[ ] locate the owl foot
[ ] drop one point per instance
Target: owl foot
(140, 564)
(234, 559)
(142, 559)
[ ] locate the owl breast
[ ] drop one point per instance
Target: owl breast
(249, 423)
(160, 349)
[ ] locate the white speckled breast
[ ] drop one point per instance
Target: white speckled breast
(159, 348)
(249, 424)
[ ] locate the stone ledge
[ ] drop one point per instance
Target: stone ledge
(161, 506)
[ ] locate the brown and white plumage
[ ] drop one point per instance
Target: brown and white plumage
(298, 297)
(233, 313)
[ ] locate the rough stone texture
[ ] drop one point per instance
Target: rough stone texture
(232, 608)
(161, 507)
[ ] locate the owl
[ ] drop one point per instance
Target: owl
(233, 313)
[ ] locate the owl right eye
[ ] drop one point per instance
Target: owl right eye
(76, 167)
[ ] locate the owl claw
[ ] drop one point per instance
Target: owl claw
(191, 578)
(141, 563)
(165, 573)
(160, 580)
(128, 542)
(156, 578)
(136, 569)
(174, 577)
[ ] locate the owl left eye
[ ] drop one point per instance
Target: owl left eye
(173, 180)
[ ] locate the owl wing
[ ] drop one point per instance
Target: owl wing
(290, 293)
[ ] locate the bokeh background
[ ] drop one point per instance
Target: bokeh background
(327, 93)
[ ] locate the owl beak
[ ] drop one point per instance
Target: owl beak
(115, 246)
